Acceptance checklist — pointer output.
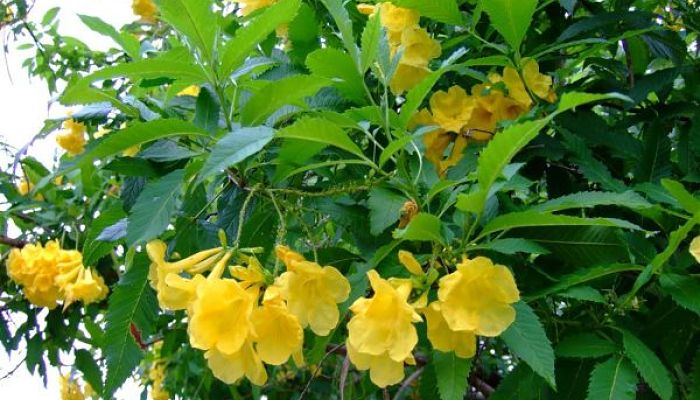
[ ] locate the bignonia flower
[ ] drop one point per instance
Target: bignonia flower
(146, 9)
(311, 291)
(157, 375)
(539, 84)
(279, 333)
(73, 138)
(438, 141)
(174, 291)
(24, 187)
(418, 49)
(477, 297)
(192, 90)
(230, 368)
(491, 107)
(695, 248)
(381, 334)
(463, 343)
(81, 284)
(70, 389)
(394, 19)
(452, 110)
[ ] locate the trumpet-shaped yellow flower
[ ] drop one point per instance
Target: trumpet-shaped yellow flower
(157, 375)
(381, 334)
(251, 276)
(279, 333)
(407, 259)
(539, 84)
(478, 296)
(24, 187)
(406, 77)
(70, 389)
(220, 316)
(419, 47)
(229, 368)
(311, 291)
(452, 109)
(73, 138)
(82, 285)
(250, 6)
(695, 248)
(463, 343)
(146, 9)
(36, 267)
(397, 20)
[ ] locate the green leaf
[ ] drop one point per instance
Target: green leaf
(684, 290)
(127, 42)
(249, 36)
(512, 246)
(583, 293)
(370, 42)
(235, 147)
(165, 66)
(423, 227)
(384, 209)
(49, 16)
(534, 218)
(614, 379)
(337, 65)
(569, 5)
(94, 249)
(521, 384)
(154, 207)
(584, 276)
(446, 11)
(689, 202)
(132, 302)
(511, 18)
(207, 110)
(694, 378)
(655, 162)
(135, 134)
(290, 90)
(320, 130)
(527, 339)
(649, 366)
(571, 100)
(194, 19)
(585, 345)
(627, 199)
(85, 362)
(452, 373)
(342, 20)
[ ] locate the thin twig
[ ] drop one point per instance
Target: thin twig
(313, 375)
(12, 242)
(406, 383)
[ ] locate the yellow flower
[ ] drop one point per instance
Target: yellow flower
(251, 276)
(157, 375)
(279, 333)
(146, 9)
(174, 291)
(311, 291)
(452, 109)
(366, 9)
(381, 334)
(409, 261)
(419, 47)
(70, 389)
(220, 316)
(229, 368)
(406, 77)
(478, 296)
(695, 248)
(249, 6)
(73, 138)
(24, 187)
(492, 106)
(192, 90)
(463, 343)
(87, 286)
(539, 84)
(397, 20)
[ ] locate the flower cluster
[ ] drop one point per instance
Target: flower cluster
(461, 117)
(146, 9)
(473, 300)
(405, 35)
(49, 273)
(72, 139)
(156, 374)
(71, 390)
(24, 187)
(242, 322)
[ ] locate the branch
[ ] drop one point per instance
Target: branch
(17, 243)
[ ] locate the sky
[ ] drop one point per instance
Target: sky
(24, 105)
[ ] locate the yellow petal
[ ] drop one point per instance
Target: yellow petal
(463, 343)
(279, 334)
(695, 248)
(230, 368)
(410, 262)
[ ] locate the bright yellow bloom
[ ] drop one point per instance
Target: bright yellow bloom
(539, 84)
(157, 375)
(175, 292)
(695, 248)
(452, 109)
(220, 316)
(406, 77)
(409, 261)
(230, 368)
(251, 276)
(146, 9)
(192, 90)
(73, 138)
(36, 267)
(70, 389)
(397, 20)
(478, 296)
(86, 286)
(381, 334)
(24, 187)
(279, 333)
(250, 6)
(419, 47)
(311, 291)
(463, 343)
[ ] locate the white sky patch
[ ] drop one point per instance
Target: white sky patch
(24, 105)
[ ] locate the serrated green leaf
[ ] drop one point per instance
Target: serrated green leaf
(649, 366)
(423, 227)
(384, 209)
(627, 199)
(131, 302)
(527, 339)
(452, 373)
(614, 379)
(335, 64)
(342, 20)
(585, 345)
(689, 202)
(522, 383)
(154, 207)
(128, 42)
(446, 11)
(583, 276)
(583, 293)
(320, 130)
(571, 100)
(207, 110)
(684, 290)
(195, 19)
(290, 90)
(511, 18)
(512, 246)
(94, 249)
(235, 147)
(534, 218)
(85, 362)
(371, 36)
(248, 37)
